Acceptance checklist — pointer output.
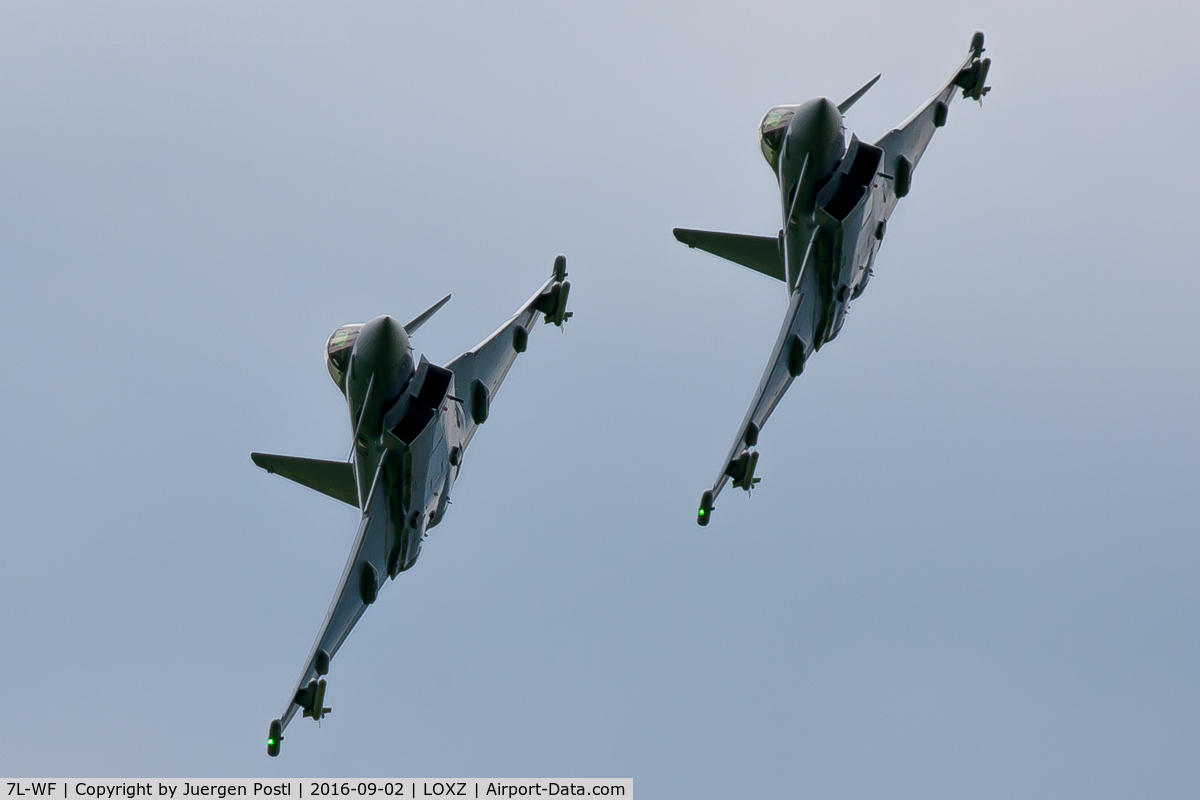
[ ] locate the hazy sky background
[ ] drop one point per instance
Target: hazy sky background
(970, 569)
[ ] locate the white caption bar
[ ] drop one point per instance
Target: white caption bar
(407, 788)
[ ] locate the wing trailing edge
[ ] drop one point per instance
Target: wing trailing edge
(759, 253)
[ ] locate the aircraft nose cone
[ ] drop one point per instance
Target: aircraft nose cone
(381, 325)
(820, 117)
(386, 331)
(378, 338)
(828, 111)
(381, 358)
(382, 347)
(815, 127)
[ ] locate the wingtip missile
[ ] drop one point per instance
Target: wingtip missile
(741, 470)
(553, 302)
(312, 699)
(561, 314)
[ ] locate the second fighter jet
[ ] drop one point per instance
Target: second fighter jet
(835, 203)
(411, 423)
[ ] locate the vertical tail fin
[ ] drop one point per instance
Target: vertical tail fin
(844, 106)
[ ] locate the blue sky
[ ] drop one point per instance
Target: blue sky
(970, 569)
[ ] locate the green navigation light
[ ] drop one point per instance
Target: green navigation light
(706, 507)
(274, 737)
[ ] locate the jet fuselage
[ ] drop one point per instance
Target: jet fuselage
(804, 152)
(411, 423)
(388, 394)
(836, 197)
(818, 174)
(381, 365)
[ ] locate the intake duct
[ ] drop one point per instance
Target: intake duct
(420, 403)
(849, 184)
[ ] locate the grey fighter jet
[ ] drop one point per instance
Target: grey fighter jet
(411, 423)
(835, 203)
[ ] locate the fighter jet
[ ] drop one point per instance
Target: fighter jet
(835, 202)
(411, 423)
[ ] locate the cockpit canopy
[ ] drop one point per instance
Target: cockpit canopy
(771, 132)
(337, 353)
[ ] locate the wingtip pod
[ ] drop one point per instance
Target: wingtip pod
(706, 507)
(274, 737)
(977, 44)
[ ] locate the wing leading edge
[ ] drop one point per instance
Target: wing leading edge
(362, 577)
(910, 138)
(785, 364)
(479, 372)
